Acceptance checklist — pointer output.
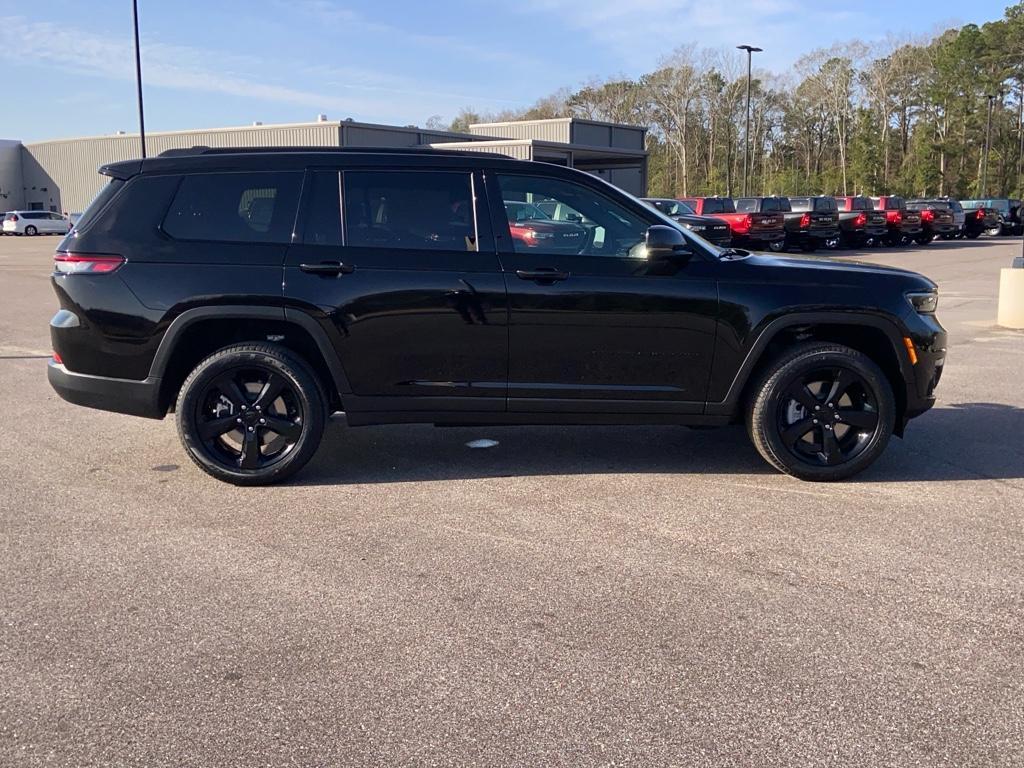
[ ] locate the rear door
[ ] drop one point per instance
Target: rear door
(596, 327)
(401, 271)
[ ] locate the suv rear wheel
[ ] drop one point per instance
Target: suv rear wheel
(251, 414)
(822, 412)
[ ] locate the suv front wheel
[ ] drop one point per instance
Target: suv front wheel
(251, 414)
(822, 412)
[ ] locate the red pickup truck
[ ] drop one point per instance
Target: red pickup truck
(762, 227)
(904, 225)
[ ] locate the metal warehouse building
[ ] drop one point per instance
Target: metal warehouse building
(61, 175)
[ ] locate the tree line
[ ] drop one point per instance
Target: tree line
(907, 117)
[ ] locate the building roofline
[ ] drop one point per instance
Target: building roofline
(263, 127)
(559, 120)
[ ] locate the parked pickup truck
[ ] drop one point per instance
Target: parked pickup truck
(903, 224)
(1008, 214)
(859, 223)
(937, 218)
(812, 222)
(751, 227)
(711, 228)
(980, 218)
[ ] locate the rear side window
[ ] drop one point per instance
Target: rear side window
(235, 207)
(719, 205)
(418, 210)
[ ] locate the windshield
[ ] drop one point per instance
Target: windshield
(673, 207)
(524, 212)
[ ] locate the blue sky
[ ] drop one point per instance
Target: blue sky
(230, 62)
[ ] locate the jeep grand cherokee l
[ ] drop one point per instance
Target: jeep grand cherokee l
(254, 292)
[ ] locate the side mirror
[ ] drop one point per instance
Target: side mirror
(666, 243)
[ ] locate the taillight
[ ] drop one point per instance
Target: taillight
(805, 221)
(980, 214)
(927, 215)
(897, 217)
(743, 225)
(861, 220)
(86, 263)
(57, 360)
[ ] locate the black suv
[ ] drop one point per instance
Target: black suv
(254, 292)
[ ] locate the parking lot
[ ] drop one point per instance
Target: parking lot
(570, 596)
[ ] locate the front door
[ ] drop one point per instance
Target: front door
(407, 283)
(593, 325)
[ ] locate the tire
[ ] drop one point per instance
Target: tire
(774, 414)
(30, 230)
(777, 246)
(229, 402)
(973, 234)
(923, 239)
(808, 248)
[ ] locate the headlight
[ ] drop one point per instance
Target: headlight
(924, 303)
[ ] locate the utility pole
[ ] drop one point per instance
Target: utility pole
(988, 144)
(751, 50)
(138, 75)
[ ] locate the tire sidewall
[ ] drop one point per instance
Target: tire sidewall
(773, 392)
(306, 390)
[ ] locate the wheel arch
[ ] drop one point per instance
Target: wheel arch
(200, 331)
(874, 336)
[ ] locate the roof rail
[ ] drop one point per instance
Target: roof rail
(204, 150)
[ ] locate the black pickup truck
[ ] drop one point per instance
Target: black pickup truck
(812, 222)
(859, 223)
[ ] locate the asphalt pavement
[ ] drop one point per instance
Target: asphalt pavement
(639, 596)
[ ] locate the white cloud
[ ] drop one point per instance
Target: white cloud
(641, 32)
(345, 91)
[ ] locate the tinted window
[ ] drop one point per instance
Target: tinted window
(825, 205)
(235, 207)
(719, 205)
(605, 228)
(421, 210)
(323, 209)
(99, 202)
(782, 204)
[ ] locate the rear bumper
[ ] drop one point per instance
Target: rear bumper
(136, 398)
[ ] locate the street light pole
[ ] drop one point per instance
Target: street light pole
(138, 76)
(751, 50)
(988, 144)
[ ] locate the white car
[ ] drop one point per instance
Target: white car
(35, 223)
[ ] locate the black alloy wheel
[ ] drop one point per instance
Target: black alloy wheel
(249, 418)
(827, 416)
(822, 411)
(251, 414)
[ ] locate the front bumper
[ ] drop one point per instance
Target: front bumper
(136, 398)
(930, 347)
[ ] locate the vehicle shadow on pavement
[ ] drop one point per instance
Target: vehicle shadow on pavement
(960, 441)
(965, 441)
(409, 453)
